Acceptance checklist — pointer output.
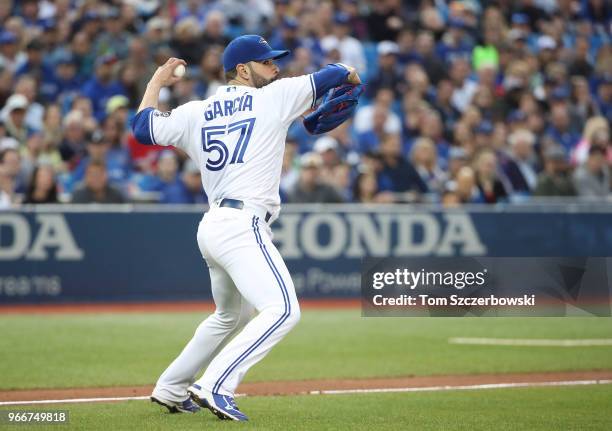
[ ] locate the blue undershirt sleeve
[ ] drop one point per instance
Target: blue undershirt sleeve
(327, 78)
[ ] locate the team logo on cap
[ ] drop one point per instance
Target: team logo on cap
(263, 41)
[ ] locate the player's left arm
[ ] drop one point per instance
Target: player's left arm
(297, 95)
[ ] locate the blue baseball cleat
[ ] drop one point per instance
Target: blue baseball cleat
(186, 406)
(223, 406)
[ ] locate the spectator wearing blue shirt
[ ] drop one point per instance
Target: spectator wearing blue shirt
(604, 97)
(388, 75)
(397, 171)
(38, 68)
(456, 42)
(188, 189)
(114, 39)
(103, 85)
(286, 38)
(560, 130)
(66, 83)
(117, 162)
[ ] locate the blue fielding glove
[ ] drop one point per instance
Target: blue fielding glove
(337, 106)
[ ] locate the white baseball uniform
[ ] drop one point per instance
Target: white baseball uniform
(237, 137)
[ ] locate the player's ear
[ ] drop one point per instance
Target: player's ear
(243, 72)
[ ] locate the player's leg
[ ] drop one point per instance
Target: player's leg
(231, 313)
(262, 278)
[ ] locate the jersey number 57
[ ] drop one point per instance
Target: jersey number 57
(211, 142)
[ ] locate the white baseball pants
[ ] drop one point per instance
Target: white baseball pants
(247, 274)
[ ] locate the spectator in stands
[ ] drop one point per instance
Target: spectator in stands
(42, 188)
(157, 34)
(592, 179)
(424, 158)
(596, 132)
(376, 118)
(113, 39)
(214, 29)
(584, 105)
(38, 150)
(457, 158)
(72, 148)
(96, 188)
(388, 74)
(466, 187)
(426, 56)
(520, 167)
(10, 160)
(431, 127)
(554, 180)
(350, 49)
(442, 103)
(385, 20)
(581, 64)
(211, 72)
(186, 40)
(193, 182)
(398, 175)
(103, 85)
(187, 190)
(166, 176)
(309, 188)
(85, 56)
(488, 181)
(28, 86)
(10, 55)
(13, 117)
(52, 125)
(560, 130)
(604, 95)
(66, 83)
(290, 170)
(327, 148)
(464, 87)
(365, 189)
(36, 66)
(7, 190)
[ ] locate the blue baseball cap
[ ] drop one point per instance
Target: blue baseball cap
(249, 47)
(485, 127)
(520, 18)
(6, 37)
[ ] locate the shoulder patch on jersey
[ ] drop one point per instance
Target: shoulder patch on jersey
(161, 113)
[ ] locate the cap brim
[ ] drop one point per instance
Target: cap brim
(274, 54)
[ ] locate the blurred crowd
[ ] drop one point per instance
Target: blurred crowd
(466, 101)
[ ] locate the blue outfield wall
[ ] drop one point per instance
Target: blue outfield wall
(125, 253)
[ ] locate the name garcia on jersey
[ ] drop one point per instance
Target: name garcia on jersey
(226, 108)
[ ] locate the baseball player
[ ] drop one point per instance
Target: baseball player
(237, 138)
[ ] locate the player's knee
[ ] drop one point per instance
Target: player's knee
(294, 316)
(227, 319)
(288, 314)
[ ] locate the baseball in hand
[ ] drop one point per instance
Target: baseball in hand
(179, 71)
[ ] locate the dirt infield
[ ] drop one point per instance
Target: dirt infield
(157, 307)
(309, 386)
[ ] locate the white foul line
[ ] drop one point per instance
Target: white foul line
(464, 387)
(73, 400)
(348, 391)
(531, 342)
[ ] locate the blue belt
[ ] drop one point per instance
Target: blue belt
(238, 204)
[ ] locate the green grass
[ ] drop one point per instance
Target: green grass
(52, 351)
(561, 408)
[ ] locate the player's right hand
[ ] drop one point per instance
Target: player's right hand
(164, 75)
(353, 77)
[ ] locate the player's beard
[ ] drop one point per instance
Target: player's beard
(258, 80)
